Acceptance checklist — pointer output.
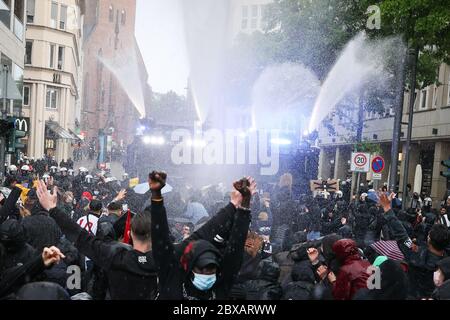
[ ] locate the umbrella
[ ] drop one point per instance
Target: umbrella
(144, 187)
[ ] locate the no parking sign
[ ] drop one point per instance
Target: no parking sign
(360, 162)
(378, 164)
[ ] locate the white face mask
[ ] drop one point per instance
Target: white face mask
(438, 278)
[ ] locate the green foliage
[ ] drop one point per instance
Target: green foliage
(314, 32)
(171, 107)
(368, 147)
(425, 25)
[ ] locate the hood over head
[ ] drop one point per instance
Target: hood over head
(269, 271)
(194, 252)
(327, 245)
(302, 272)
(42, 291)
(345, 248)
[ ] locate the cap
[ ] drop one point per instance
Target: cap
(207, 258)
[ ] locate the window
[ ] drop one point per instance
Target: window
(52, 98)
(52, 56)
(264, 16)
(111, 13)
(63, 18)
(124, 17)
(448, 92)
(26, 96)
(415, 100)
(31, 5)
(255, 11)
(60, 58)
(5, 16)
(254, 23)
(18, 27)
(18, 9)
(54, 15)
(28, 52)
(423, 100)
(244, 23)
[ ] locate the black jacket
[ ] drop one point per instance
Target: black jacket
(12, 279)
(302, 282)
(422, 263)
(175, 263)
(266, 287)
(131, 274)
(9, 208)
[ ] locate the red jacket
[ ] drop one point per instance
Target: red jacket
(353, 273)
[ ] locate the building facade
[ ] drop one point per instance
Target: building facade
(12, 51)
(114, 73)
(53, 67)
(247, 16)
(430, 140)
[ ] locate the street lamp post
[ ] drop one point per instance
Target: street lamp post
(414, 55)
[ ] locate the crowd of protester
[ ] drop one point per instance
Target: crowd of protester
(90, 236)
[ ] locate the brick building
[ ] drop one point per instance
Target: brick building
(109, 30)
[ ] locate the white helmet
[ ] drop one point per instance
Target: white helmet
(363, 196)
(63, 169)
(339, 194)
(111, 179)
(45, 177)
(427, 201)
(70, 172)
(12, 168)
(89, 178)
(53, 169)
(83, 169)
(25, 168)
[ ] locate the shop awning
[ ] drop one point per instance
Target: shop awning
(75, 136)
(60, 132)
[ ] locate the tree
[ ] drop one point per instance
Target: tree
(314, 32)
(425, 26)
(171, 107)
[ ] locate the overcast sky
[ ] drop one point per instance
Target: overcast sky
(159, 32)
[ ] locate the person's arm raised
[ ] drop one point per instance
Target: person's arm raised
(89, 245)
(162, 247)
(234, 251)
(396, 228)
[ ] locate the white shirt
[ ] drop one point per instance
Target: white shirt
(89, 223)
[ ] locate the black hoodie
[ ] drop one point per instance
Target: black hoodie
(175, 264)
(302, 282)
(131, 274)
(266, 287)
(13, 237)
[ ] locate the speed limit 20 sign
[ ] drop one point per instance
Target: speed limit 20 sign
(360, 162)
